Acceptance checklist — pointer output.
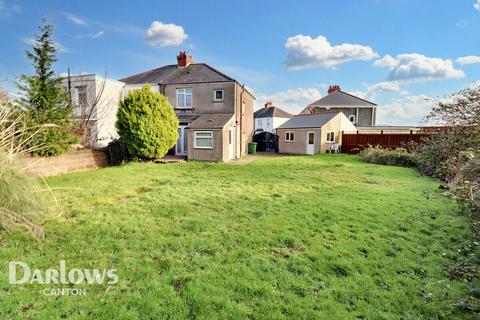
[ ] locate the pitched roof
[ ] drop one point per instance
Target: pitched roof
(170, 74)
(271, 112)
(340, 98)
(316, 120)
(210, 121)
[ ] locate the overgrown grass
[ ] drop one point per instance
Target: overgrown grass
(320, 237)
(20, 197)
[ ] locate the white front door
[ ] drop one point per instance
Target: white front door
(230, 143)
(310, 142)
(182, 143)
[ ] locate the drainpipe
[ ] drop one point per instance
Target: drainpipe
(373, 116)
(236, 119)
(356, 115)
(69, 81)
(241, 119)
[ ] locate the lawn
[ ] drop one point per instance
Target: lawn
(319, 237)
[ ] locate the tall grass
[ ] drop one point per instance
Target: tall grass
(20, 195)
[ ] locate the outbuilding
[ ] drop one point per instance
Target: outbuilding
(313, 133)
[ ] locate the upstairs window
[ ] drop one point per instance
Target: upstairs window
(218, 95)
(289, 136)
(260, 122)
(184, 98)
(330, 137)
(352, 118)
(81, 95)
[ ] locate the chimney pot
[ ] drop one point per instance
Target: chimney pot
(268, 105)
(184, 59)
(333, 88)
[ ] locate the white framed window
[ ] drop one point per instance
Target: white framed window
(81, 95)
(290, 136)
(330, 137)
(268, 123)
(184, 98)
(203, 139)
(259, 122)
(352, 118)
(218, 95)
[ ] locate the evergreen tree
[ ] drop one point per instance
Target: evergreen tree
(147, 124)
(44, 99)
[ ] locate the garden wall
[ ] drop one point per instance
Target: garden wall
(79, 160)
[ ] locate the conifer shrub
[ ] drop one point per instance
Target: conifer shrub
(147, 124)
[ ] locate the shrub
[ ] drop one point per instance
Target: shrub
(147, 124)
(395, 157)
(434, 158)
(116, 152)
(464, 182)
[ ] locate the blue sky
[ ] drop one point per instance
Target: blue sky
(400, 54)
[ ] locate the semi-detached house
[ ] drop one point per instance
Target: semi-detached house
(215, 111)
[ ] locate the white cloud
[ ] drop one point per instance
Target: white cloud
(306, 52)
(291, 100)
(386, 62)
(165, 34)
(373, 90)
(477, 5)
(76, 20)
(90, 35)
(468, 59)
(60, 47)
(7, 9)
(417, 67)
(410, 110)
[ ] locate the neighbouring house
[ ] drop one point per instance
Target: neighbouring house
(95, 102)
(270, 118)
(214, 110)
(359, 111)
(313, 133)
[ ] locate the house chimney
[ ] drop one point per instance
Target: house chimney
(268, 105)
(333, 88)
(184, 59)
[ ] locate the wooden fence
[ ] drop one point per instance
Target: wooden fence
(356, 142)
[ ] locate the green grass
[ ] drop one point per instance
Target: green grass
(321, 237)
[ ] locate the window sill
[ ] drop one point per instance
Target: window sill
(289, 141)
(218, 101)
(190, 108)
(203, 148)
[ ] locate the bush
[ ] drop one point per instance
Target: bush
(50, 139)
(147, 124)
(116, 152)
(395, 157)
(434, 158)
(464, 182)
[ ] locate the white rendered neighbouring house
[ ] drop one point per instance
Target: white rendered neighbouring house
(95, 99)
(270, 118)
